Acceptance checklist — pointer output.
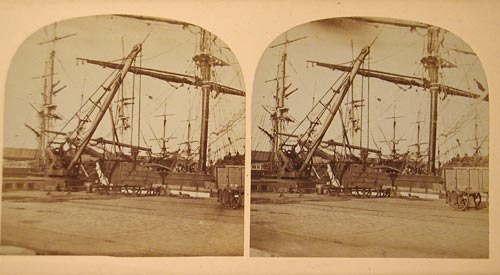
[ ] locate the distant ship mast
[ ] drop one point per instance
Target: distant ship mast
(47, 113)
(280, 113)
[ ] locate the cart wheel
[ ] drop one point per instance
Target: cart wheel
(138, 191)
(463, 201)
(225, 201)
(387, 192)
(356, 192)
(453, 199)
(364, 193)
(235, 200)
(368, 192)
(477, 200)
(128, 192)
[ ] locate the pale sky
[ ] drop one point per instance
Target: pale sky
(396, 50)
(168, 47)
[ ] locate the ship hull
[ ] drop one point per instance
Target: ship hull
(128, 174)
(359, 175)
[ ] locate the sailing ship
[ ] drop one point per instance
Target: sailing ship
(346, 161)
(123, 156)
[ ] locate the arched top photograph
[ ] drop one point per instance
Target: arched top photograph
(366, 107)
(124, 106)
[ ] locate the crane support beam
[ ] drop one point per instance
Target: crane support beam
(345, 88)
(115, 85)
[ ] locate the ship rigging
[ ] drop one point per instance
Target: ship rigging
(126, 98)
(306, 144)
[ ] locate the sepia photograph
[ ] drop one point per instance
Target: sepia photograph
(124, 135)
(249, 137)
(370, 139)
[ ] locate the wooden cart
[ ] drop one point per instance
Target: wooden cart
(465, 186)
(231, 185)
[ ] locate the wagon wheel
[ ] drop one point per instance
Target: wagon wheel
(477, 200)
(137, 191)
(356, 192)
(128, 192)
(368, 192)
(235, 200)
(463, 201)
(225, 201)
(452, 199)
(364, 193)
(381, 192)
(387, 193)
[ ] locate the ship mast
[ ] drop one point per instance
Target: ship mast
(205, 66)
(47, 113)
(279, 115)
(419, 129)
(394, 141)
(188, 141)
(430, 62)
(164, 139)
(205, 62)
(477, 148)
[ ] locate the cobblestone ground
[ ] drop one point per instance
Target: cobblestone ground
(321, 226)
(91, 224)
